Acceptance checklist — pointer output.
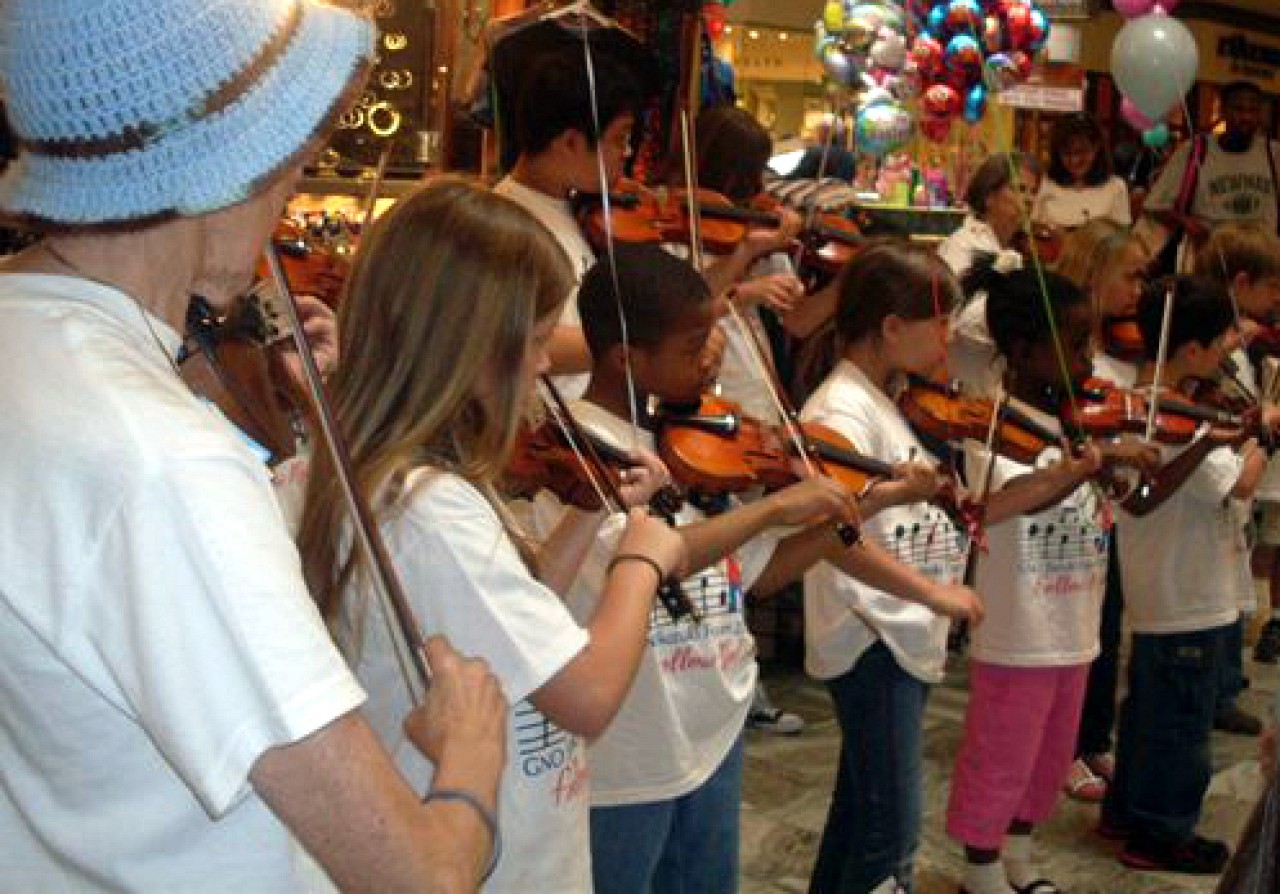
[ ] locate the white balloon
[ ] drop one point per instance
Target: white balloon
(1154, 61)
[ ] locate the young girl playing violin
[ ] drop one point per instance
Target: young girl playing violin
(666, 775)
(452, 300)
(877, 654)
(1042, 580)
(1108, 263)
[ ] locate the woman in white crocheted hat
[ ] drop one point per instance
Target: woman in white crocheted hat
(173, 706)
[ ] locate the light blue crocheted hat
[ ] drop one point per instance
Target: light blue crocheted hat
(132, 110)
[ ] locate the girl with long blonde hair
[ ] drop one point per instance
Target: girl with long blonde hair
(444, 330)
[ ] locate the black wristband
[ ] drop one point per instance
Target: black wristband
(636, 557)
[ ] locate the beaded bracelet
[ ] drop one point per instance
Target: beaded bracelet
(486, 816)
(636, 557)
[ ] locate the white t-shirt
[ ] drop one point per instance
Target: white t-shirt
(156, 636)
(557, 216)
(740, 379)
(1121, 373)
(843, 616)
(1177, 562)
(1043, 576)
(690, 697)
(972, 238)
(1232, 186)
(466, 581)
(1068, 207)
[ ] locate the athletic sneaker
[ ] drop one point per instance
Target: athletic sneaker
(777, 721)
(1196, 856)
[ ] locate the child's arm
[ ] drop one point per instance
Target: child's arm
(869, 563)
(1042, 488)
(808, 502)
(724, 272)
(1172, 475)
(563, 551)
(585, 694)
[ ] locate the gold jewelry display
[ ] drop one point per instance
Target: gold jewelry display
(390, 119)
(395, 40)
(351, 120)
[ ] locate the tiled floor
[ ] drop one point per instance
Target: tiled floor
(788, 783)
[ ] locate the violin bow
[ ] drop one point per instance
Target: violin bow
(367, 534)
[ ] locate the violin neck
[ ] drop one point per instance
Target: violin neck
(739, 215)
(849, 459)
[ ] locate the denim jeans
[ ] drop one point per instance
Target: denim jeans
(686, 845)
(1231, 671)
(1162, 758)
(873, 826)
(1098, 719)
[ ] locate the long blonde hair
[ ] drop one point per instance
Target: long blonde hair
(1092, 252)
(1244, 247)
(445, 292)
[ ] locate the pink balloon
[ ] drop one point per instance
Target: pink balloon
(1131, 9)
(1133, 115)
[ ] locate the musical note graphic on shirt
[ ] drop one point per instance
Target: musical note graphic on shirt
(534, 732)
(714, 592)
(1070, 542)
(935, 541)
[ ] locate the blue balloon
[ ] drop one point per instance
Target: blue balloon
(975, 103)
(1039, 29)
(1154, 61)
(938, 21)
(1155, 137)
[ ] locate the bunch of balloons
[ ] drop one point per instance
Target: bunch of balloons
(1154, 62)
(862, 46)
(964, 49)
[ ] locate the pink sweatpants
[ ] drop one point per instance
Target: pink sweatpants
(1019, 741)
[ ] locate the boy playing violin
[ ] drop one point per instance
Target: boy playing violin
(666, 775)
(561, 153)
(1178, 549)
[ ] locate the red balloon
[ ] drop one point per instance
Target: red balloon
(1018, 27)
(927, 54)
(1022, 64)
(713, 17)
(941, 101)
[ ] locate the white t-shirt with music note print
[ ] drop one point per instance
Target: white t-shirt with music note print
(691, 694)
(1043, 574)
(843, 617)
(1180, 562)
(466, 581)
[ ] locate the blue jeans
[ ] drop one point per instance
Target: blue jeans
(1231, 672)
(1162, 753)
(873, 826)
(686, 845)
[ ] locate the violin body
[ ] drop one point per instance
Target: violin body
(316, 264)
(942, 415)
(232, 363)
(639, 214)
(541, 460)
(716, 449)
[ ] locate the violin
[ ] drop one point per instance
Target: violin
(543, 459)
(941, 415)
(234, 362)
(640, 214)
(316, 257)
(1122, 339)
(1100, 409)
(715, 448)
(830, 241)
